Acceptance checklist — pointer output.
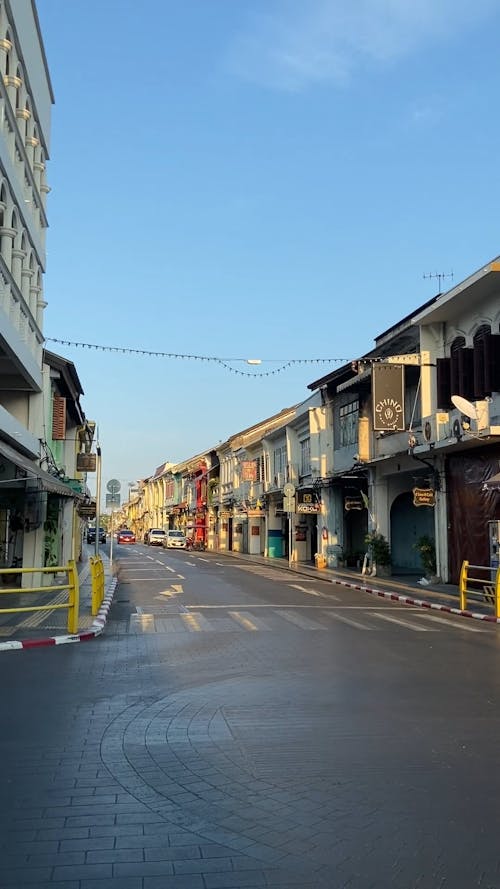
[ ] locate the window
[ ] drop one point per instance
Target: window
(348, 423)
(279, 460)
(305, 457)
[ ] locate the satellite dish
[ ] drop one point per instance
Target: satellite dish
(464, 406)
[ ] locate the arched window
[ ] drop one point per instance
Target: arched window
(7, 59)
(3, 204)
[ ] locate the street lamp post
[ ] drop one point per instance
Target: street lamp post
(98, 499)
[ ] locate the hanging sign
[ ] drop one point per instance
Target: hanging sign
(424, 497)
(308, 501)
(85, 462)
(388, 397)
(353, 503)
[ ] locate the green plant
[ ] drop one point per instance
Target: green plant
(426, 547)
(380, 549)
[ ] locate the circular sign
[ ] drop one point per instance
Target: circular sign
(113, 486)
(289, 489)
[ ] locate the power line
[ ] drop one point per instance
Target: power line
(285, 363)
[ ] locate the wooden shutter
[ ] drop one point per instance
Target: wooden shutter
(465, 373)
(494, 361)
(443, 381)
(58, 418)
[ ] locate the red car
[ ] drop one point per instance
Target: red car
(125, 536)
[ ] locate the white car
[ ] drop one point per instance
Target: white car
(156, 536)
(175, 539)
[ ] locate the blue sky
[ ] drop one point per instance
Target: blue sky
(255, 179)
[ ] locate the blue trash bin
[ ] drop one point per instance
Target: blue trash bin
(275, 544)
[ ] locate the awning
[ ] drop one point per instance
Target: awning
(47, 482)
(353, 382)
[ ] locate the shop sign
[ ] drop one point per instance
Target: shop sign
(308, 501)
(86, 462)
(424, 497)
(353, 503)
(388, 397)
(255, 513)
(249, 471)
(87, 512)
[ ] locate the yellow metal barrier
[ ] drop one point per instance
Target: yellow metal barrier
(72, 586)
(485, 585)
(97, 583)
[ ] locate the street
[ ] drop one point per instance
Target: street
(238, 726)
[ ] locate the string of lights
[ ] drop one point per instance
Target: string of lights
(226, 363)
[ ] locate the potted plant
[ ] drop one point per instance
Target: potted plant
(380, 553)
(426, 548)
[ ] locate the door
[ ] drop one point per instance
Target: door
(408, 523)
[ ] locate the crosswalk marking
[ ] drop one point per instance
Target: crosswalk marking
(142, 623)
(451, 623)
(404, 623)
(246, 620)
(300, 620)
(348, 620)
(223, 619)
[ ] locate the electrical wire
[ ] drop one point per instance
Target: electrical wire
(226, 363)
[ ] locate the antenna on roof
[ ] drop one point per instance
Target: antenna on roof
(440, 276)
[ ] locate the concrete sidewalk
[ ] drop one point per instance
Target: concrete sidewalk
(30, 629)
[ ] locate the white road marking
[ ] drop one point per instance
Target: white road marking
(303, 589)
(403, 623)
(196, 622)
(300, 620)
(451, 623)
(142, 623)
(244, 619)
(348, 620)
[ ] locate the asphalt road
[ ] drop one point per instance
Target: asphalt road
(240, 726)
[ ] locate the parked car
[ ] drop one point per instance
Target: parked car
(91, 535)
(175, 539)
(156, 536)
(125, 536)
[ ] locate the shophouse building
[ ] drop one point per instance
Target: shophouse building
(407, 462)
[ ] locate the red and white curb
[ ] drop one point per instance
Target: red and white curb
(421, 603)
(95, 629)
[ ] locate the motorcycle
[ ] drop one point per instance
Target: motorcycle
(196, 545)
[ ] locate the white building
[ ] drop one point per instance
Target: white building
(25, 113)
